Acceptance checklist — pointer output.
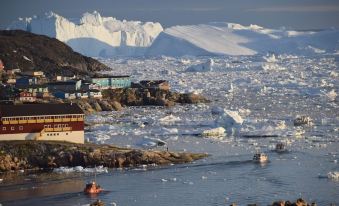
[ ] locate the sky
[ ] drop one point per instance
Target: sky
(292, 14)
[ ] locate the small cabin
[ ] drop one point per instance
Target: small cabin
(65, 95)
(112, 82)
(34, 73)
(94, 94)
(11, 81)
(57, 122)
(2, 66)
(26, 97)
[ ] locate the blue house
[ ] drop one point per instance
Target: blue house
(112, 82)
(72, 85)
(26, 80)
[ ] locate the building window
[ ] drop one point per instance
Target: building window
(21, 127)
(66, 133)
(3, 128)
(12, 128)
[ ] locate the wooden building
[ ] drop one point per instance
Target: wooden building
(112, 82)
(26, 97)
(59, 122)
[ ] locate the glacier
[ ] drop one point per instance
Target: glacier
(222, 38)
(94, 35)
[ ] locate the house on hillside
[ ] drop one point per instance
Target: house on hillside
(11, 81)
(72, 85)
(64, 78)
(2, 66)
(39, 90)
(96, 94)
(155, 84)
(112, 82)
(34, 73)
(13, 71)
(26, 81)
(65, 94)
(58, 122)
(26, 97)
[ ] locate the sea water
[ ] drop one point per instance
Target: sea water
(268, 97)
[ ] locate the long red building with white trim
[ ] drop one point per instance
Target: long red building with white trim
(59, 122)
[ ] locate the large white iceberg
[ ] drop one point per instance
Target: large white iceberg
(94, 35)
(203, 67)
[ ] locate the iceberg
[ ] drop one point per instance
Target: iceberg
(94, 35)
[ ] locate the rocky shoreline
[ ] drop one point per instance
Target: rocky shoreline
(23, 155)
(116, 99)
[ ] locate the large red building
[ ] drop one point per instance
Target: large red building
(60, 122)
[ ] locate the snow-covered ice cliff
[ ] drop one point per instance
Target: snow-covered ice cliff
(94, 35)
(219, 38)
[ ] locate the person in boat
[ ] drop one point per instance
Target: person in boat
(92, 188)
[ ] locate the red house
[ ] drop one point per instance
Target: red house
(2, 66)
(59, 122)
(26, 97)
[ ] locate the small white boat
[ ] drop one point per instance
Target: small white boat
(260, 157)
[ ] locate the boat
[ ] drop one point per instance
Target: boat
(280, 147)
(92, 188)
(260, 157)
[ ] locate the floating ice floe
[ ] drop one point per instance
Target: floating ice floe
(271, 58)
(149, 142)
(169, 119)
(333, 175)
(331, 95)
(203, 67)
(80, 169)
(216, 133)
(231, 120)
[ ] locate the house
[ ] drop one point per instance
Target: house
(90, 86)
(26, 80)
(26, 97)
(60, 78)
(155, 84)
(2, 66)
(11, 81)
(34, 73)
(65, 95)
(12, 71)
(58, 122)
(112, 82)
(94, 94)
(72, 85)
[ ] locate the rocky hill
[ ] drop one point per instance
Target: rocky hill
(28, 51)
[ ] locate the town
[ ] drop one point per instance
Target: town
(34, 106)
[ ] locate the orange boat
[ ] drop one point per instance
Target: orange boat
(92, 188)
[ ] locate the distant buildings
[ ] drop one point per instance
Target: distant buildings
(72, 85)
(155, 84)
(112, 82)
(59, 122)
